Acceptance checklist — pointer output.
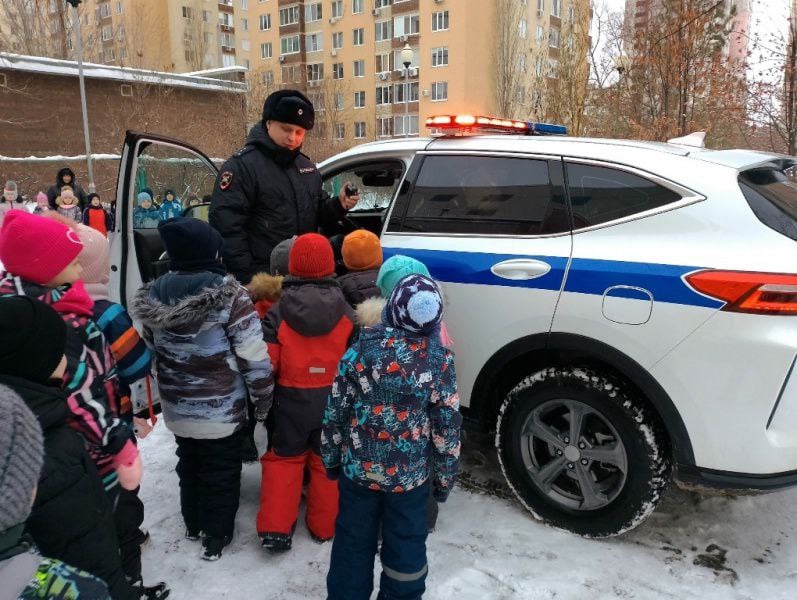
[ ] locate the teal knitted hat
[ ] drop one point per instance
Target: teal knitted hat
(395, 269)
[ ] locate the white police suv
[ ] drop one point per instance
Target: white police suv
(622, 312)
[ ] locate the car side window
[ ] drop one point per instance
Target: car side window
(376, 182)
(603, 194)
(485, 195)
(168, 180)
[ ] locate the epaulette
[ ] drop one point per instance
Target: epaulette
(246, 149)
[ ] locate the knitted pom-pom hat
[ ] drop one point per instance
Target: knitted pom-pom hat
(415, 304)
(362, 251)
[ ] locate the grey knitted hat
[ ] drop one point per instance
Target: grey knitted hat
(278, 264)
(21, 458)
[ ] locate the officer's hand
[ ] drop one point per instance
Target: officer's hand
(349, 197)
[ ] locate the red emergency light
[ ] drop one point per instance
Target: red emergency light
(481, 124)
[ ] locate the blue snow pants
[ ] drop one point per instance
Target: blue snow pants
(402, 517)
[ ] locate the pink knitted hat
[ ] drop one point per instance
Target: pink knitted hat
(95, 258)
(36, 248)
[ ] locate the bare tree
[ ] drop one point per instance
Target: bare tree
(511, 51)
(35, 28)
(197, 35)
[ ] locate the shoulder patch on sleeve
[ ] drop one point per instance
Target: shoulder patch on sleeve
(244, 150)
(226, 180)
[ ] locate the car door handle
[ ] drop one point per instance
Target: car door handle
(519, 269)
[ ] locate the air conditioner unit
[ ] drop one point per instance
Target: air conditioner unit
(383, 76)
(376, 12)
(314, 83)
(333, 20)
(413, 72)
(282, 59)
(404, 38)
(333, 53)
(438, 1)
(540, 12)
(425, 92)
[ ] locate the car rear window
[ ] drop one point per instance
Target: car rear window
(771, 193)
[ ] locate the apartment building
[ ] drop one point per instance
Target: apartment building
(346, 54)
(165, 35)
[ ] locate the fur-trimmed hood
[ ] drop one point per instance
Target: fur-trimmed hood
(180, 299)
(265, 287)
(369, 312)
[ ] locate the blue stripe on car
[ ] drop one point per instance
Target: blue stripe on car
(586, 275)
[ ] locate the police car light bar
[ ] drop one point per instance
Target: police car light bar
(471, 123)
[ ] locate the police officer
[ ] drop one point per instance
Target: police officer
(269, 191)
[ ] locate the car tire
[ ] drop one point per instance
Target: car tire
(609, 477)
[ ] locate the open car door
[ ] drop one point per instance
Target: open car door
(152, 164)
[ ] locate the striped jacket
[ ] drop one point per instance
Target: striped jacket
(133, 358)
(91, 382)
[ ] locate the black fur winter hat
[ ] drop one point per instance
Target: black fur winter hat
(289, 106)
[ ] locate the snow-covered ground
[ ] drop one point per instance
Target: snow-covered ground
(488, 547)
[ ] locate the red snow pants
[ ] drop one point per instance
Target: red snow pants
(281, 493)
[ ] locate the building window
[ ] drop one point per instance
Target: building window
(357, 6)
(384, 95)
(244, 4)
(119, 7)
(382, 3)
(359, 129)
(123, 53)
(540, 7)
(359, 99)
(290, 74)
(405, 125)
(384, 62)
(384, 126)
(315, 72)
(227, 40)
(289, 45)
(440, 91)
(206, 16)
(340, 101)
(227, 60)
(553, 68)
(313, 12)
(108, 55)
(440, 57)
(359, 68)
(359, 36)
(105, 10)
(522, 29)
(571, 14)
(245, 24)
(107, 33)
(553, 38)
(556, 8)
(337, 9)
(226, 20)
(539, 36)
(337, 40)
(267, 77)
(337, 71)
(266, 50)
(245, 45)
(406, 25)
(400, 92)
(383, 30)
(188, 13)
(265, 22)
(440, 21)
(314, 42)
(340, 131)
(289, 16)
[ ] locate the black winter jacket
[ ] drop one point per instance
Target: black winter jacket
(265, 194)
(72, 517)
(358, 286)
(55, 190)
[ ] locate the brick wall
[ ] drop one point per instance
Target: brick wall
(40, 116)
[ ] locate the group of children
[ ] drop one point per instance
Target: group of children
(147, 214)
(352, 375)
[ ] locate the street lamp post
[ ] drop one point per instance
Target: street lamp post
(406, 58)
(81, 80)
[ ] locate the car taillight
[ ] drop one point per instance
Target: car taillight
(742, 291)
